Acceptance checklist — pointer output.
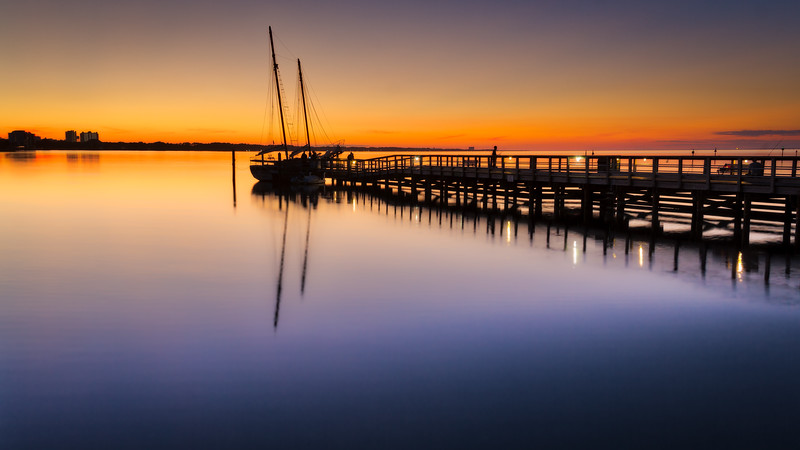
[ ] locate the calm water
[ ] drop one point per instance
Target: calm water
(140, 307)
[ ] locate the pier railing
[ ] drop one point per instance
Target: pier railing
(749, 173)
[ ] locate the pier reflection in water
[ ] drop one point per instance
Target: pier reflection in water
(767, 268)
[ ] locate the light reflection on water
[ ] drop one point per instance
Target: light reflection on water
(140, 309)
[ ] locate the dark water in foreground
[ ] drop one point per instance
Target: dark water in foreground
(138, 309)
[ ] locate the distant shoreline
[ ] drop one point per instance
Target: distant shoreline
(213, 147)
(54, 145)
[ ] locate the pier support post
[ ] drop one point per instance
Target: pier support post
(697, 215)
(654, 222)
(428, 191)
(514, 194)
(531, 201)
(797, 221)
(603, 206)
(745, 241)
(586, 205)
(787, 221)
(620, 213)
(737, 218)
(494, 195)
(557, 202)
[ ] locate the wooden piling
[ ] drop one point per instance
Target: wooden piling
(745, 239)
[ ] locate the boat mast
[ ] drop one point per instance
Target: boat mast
(303, 93)
(278, 89)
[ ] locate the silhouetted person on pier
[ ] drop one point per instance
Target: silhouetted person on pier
(493, 158)
(756, 169)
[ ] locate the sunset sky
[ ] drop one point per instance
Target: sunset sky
(449, 74)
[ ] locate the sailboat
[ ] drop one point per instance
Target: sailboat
(288, 169)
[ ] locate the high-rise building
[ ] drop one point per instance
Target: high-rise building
(87, 136)
(71, 136)
(22, 139)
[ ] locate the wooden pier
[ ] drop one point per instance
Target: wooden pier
(742, 193)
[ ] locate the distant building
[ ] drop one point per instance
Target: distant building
(87, 136)
(71, 136)
(22, 139)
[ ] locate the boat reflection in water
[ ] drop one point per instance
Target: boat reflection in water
(307, 197)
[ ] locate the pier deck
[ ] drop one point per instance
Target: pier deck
(739, 192)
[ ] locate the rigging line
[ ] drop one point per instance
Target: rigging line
(315, 113)
(302, 99)
(271, 108)
(310, 89)
(286, 48)
(264, 119)
(315, 119)
(298, 119)
(269, 112)
(272, 117)
(268, 99)
(300, 107)
(286, 113)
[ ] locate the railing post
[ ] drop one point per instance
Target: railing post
(586, 169)
(774, 172)
(630, 170)
(655, 171)
(740, 166)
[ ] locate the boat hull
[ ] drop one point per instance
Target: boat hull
(293, 171)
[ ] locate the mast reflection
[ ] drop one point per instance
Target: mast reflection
(308, 198)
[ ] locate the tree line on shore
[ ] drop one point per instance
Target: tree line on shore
(55, 144)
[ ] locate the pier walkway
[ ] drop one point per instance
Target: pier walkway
(704, 192)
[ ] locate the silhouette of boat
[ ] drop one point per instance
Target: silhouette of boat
(288, 168)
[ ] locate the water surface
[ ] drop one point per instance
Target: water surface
(140, 308)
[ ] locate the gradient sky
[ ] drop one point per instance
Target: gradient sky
(516, 74)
